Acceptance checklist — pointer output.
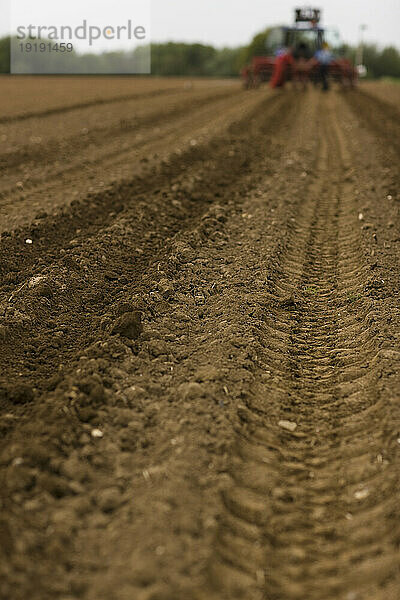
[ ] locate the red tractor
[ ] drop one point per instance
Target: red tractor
(292, 54)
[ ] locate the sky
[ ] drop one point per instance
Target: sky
(234, 22)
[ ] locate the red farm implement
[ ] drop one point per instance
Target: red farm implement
(291, 54)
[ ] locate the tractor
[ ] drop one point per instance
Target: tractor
(290, 54)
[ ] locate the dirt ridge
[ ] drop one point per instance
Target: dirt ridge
(92, 103)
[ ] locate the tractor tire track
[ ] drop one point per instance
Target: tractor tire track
(309, 469)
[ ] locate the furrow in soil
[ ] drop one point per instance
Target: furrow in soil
(309, 460)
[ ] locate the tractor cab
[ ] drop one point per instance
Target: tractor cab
(306, 36)
(304, 42)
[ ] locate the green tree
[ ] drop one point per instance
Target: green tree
(181, 59)
(5, 55)
(389, 62)
(225, 63)
(257, 47)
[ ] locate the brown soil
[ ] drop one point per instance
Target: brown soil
(199, 366)
(25, 96)
(383, 90)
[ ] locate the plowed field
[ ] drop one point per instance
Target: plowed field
(199, 342)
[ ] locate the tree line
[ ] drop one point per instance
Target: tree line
(182, 59)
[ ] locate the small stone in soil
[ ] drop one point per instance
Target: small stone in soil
(129, 325)
(288, 425)
(361, 494)
(97, 433)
